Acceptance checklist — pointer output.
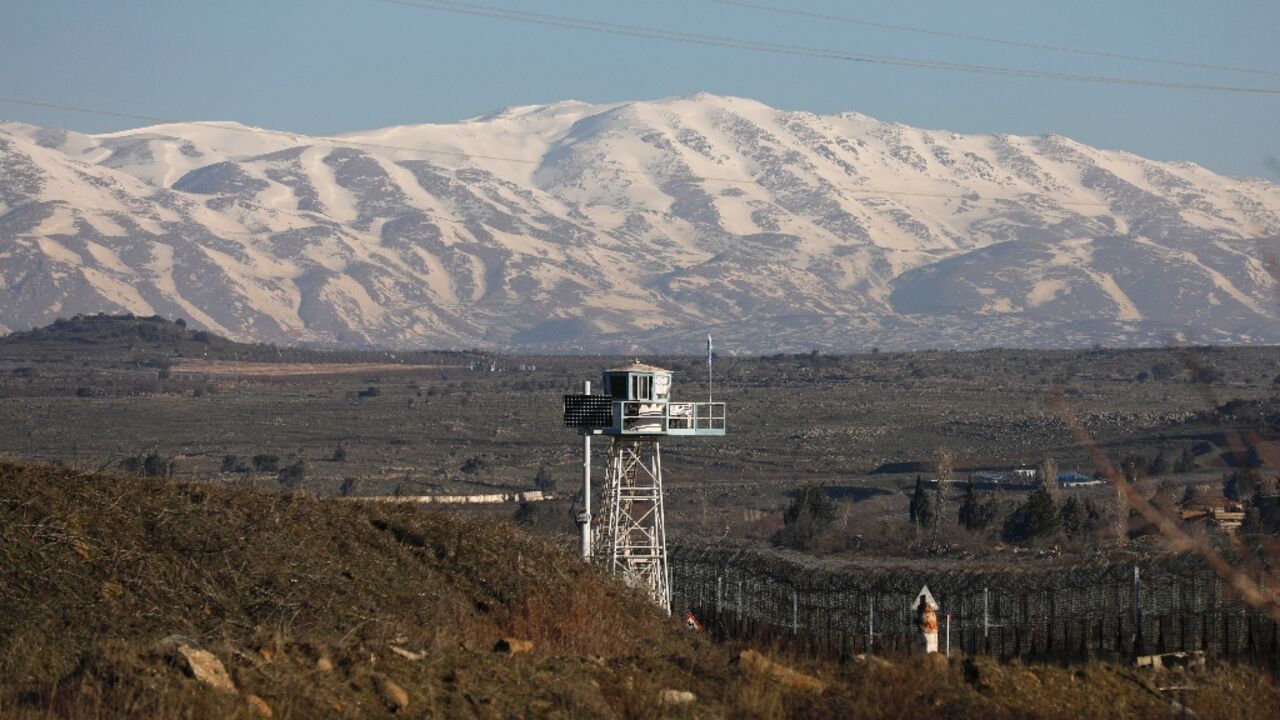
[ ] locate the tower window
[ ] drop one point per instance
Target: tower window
(618, 386)
(642, 387)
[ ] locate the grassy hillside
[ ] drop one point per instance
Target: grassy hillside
(322, 608)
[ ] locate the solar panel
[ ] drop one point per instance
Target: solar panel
(588, 411)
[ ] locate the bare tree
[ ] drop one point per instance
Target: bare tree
(944, 465)
(1047, 471)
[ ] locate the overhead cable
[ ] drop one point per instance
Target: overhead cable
(992, 40)
(463, 8)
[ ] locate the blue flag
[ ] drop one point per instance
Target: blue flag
(708, 349)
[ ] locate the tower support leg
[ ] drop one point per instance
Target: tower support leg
(635, 545)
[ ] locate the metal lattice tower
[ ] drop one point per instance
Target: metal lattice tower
(636, 539)
(636, 412)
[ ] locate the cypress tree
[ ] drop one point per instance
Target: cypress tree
(1037, 517)
(921, 509)
(969, 507)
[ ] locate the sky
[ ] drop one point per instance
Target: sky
(328, 66)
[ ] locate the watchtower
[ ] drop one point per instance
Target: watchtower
(636, 411)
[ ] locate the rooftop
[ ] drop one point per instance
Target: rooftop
(1210, 501)
(640, 367)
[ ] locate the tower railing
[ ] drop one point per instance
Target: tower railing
(692, 417)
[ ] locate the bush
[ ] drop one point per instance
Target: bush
(1186, 461)
(1035, 518)
(473, 465)
(229, 464)
(263, 462)
(975, 515)
(369, 392)
(920, 510)
(1159, 464)
(1134, 467)
(544, 481)
(809, 513)
(1240, 484)
(339, 454)
(1081, 517)
(151, 464)
(293, 475)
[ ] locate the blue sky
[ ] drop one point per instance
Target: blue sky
(322, 66)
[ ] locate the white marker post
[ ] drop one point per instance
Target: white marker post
(948, 634)
(584, 519)
(926, 612)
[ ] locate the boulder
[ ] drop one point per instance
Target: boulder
(676, 697)
(407, 654)
(258, 706)
(206, 667)
(394, 696)
(513, 646)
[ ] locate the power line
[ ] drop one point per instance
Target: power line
(461, 8)
(989, 39)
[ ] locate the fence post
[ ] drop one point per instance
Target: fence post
(871, 623)
(1137, 613)
(986, 620)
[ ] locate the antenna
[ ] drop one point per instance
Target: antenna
(709, 367)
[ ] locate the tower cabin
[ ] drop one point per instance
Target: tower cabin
(638, 402)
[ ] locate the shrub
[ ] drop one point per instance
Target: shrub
(263, 462)
(1186, 461)
(152, 464)
(1081, 517)
(975, 515)
(920, 510)
(544, 481)
(811, 501)
(229, 463)
(809, 513)
(293, 475)
(1134, 467)
(1035, 518)
(1240, 484)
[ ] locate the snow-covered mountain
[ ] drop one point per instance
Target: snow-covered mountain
(635, 227)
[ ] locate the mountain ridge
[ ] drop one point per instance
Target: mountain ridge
(633, 227)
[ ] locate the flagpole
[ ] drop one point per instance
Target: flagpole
(708, 369)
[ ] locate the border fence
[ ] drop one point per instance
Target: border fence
(1051, 611)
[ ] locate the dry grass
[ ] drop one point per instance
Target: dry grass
(95, 569)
